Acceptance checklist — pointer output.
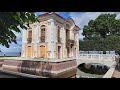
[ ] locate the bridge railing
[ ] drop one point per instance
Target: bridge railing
(106, 57)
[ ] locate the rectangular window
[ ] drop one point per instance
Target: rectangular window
(29, 39)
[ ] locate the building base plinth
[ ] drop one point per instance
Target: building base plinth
(59, 69)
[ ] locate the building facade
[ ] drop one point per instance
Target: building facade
(52, 37)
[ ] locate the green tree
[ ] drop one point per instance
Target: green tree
(103, 33)
(104, 25)
(9, 22)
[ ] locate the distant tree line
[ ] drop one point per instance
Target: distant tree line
(102, 34)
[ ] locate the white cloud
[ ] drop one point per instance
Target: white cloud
(82, 18)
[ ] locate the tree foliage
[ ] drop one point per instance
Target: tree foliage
(9, 22)
(104, 25)
(102, 34)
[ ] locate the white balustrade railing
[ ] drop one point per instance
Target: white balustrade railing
(106, 57)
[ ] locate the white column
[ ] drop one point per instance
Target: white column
(77, 47)
(36, 40)
(24, 40)
(51, 38)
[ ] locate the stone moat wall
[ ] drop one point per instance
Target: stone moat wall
(63, 69)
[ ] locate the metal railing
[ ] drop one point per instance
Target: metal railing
(42, 39)
(70, 42)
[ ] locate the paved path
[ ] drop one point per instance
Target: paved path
(6, 75)
(116, 73)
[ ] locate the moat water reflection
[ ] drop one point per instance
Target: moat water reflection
(92, 70)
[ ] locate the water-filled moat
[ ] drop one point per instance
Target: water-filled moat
(92, 70)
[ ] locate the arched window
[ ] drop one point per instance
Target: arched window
(43, 33)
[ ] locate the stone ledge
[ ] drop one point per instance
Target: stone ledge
(36, 59)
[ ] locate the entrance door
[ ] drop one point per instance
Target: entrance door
(42, 51)
(59, 52)
(29, 51)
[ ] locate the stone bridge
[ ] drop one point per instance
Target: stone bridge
(105, 59)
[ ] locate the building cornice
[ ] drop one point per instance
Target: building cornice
(55, 17)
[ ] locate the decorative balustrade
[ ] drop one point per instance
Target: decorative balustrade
(105, 57)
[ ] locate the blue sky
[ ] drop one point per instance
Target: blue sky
(80, 18)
